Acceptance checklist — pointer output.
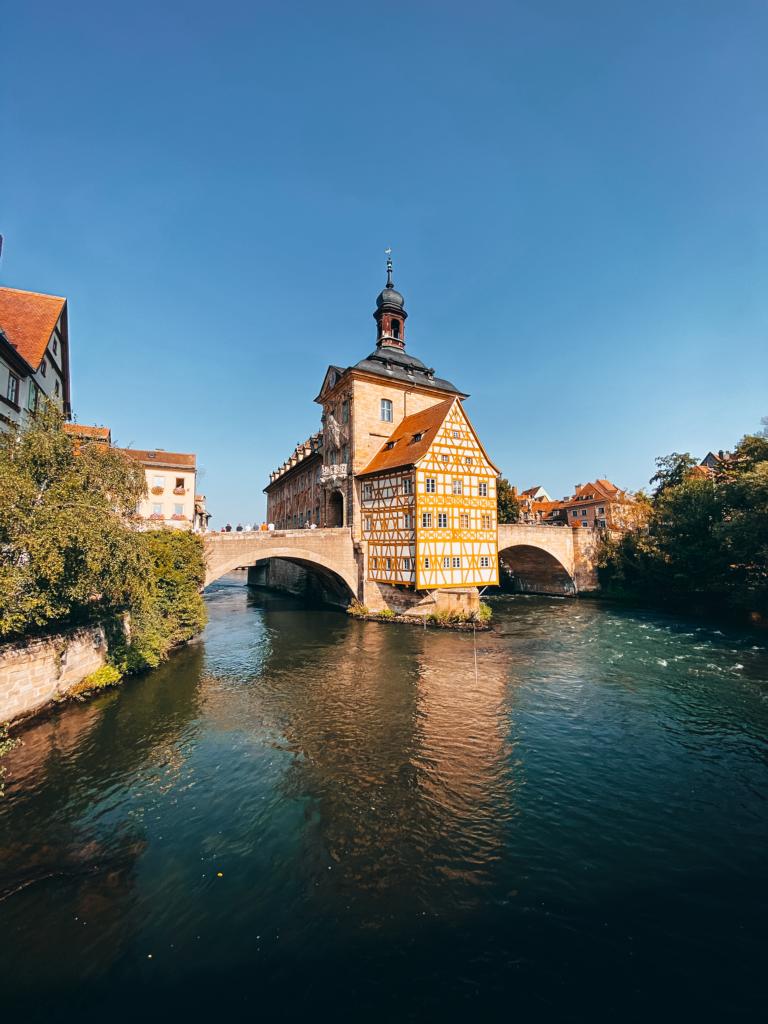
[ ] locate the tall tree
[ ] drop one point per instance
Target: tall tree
(64, 545)
(508, 507)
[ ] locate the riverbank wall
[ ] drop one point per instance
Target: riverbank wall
(36, 672)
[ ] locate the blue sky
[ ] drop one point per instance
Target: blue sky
(576, 195)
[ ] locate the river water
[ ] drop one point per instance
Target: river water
(305, 817)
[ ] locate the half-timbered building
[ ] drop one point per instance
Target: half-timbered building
(399, 463)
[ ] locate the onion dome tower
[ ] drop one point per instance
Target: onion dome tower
(390, 314)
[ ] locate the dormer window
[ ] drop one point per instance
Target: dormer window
(43, 368)
(396, 329)
(389, 445)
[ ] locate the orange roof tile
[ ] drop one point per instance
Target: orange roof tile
(28, 319)
(87, 433)
(162, 459)
(401, 449)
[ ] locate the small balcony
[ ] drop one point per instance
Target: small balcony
(179, 490)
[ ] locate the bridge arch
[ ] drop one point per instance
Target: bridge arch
(331, 558)
(526, 569)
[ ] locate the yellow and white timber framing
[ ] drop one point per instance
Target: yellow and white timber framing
(432, 525)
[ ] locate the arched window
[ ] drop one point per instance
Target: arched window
(396, 329)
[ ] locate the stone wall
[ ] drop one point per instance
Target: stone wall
(35, 672)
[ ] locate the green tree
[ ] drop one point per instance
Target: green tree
(671, 470)
(508, 507)
(64, 542)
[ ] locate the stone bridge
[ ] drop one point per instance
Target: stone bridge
(330, 551)
(549, 559)
(540, 559)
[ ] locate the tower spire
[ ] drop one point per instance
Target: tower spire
(390, 313)
(389, 268)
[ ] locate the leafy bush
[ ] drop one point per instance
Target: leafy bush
(485, 613)
(387, 614)
(102, 678)
(358, 610)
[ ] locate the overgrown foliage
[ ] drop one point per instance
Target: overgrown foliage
(507, 504)
(706, 537)
(69, 552)
(64, 545)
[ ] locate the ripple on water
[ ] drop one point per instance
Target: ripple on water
(301, 788)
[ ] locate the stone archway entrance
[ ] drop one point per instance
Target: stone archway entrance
(335, 513)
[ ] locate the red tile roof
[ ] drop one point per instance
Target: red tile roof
(402, 449)
(162, 459)
(87, 433)
(28, 320)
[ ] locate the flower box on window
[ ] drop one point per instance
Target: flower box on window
(157, 490)
(179, 518)
(179, 490)
(157, 515)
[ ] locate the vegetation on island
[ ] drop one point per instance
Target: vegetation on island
(705, 539)
(70, 553)
(445, 619)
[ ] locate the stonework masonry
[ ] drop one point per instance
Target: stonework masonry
(35, 672)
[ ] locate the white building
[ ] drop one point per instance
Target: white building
(34, 354)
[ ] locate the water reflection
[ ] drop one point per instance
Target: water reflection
(327, 812)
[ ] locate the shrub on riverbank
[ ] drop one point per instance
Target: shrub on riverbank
(706, 541)
(69, 552)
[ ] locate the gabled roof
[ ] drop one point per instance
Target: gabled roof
(28, 320)
(401, 449)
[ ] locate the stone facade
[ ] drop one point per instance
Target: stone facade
(35, 672)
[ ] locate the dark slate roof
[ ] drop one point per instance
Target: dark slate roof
(395, 364)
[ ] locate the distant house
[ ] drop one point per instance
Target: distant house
(599, 504)
(88, 434)
(535, 494)
(34, 354)
(170, 499)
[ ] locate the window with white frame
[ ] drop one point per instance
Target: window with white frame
(178, 510)
(386, 410)
(574, 512)
(158, 481)
(43, 368)
(445, 458)
(457, 487)
(601, 510)
(456, 562)
(12, 391)
(485, 562)
(456, 433)
(388, 563)
(407, 564)
(426, 519)
(482, 489)
(583, 512)
(446, 561)
(367, 492)
(408, 521)
(430, 484)
(157, 510)
(369, 524)
(464, 521)
(442, 520)
(407, 485)
(486, 522)
(469, 459)
(426, 562)
(373, 562)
